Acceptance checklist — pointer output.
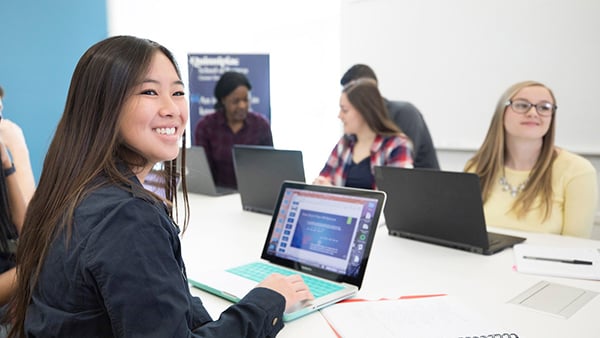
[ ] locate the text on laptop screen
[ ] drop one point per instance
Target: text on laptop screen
(321, 229)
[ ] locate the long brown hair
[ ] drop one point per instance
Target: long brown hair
(364, 95)
(86, 145)
(488, 161)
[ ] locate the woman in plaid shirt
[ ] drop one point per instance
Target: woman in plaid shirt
(370, 139)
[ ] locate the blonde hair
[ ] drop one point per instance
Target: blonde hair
(488, 161)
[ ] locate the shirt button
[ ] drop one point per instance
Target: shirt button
(275, 321)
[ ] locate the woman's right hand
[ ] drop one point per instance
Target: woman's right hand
(322, 181)
(292, 288)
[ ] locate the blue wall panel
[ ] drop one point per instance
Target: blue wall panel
(40, 46)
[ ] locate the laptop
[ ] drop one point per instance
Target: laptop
(198, 175)
(439, 207)
(260, 170)
(323, 233)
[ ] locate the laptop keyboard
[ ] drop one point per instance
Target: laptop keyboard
(259, 271)
(492, 240)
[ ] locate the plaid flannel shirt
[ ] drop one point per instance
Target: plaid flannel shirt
(395, 151)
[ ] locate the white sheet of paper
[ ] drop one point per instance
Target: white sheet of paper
(442, 316)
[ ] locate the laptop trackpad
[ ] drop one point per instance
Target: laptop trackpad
(299, 305)
(229, 284)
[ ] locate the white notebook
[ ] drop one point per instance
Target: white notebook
(571, 262)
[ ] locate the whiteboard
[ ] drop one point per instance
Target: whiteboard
(454, 59)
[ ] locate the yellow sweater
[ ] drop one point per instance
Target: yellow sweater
(575, 193)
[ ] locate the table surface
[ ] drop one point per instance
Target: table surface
(220, 234)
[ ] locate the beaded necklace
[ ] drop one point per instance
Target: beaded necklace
(514, 191)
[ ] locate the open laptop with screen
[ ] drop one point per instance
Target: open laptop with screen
(198, 175)
(439, 207)
(323, 233)
(260, 170)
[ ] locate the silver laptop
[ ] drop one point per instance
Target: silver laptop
(260, 170)
(439, 207)
(199, 178)
(323, 233)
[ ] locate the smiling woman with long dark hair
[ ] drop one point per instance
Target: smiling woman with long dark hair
(99, 255)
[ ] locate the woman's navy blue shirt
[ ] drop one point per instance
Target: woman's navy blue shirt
(121, 275)
(359, 175)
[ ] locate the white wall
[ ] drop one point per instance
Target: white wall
(453, 59)
(302, 38)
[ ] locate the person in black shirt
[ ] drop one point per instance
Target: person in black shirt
(406, 116)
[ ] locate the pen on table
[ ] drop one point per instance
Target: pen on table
(559, 260)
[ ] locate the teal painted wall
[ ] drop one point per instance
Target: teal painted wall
(40, 46)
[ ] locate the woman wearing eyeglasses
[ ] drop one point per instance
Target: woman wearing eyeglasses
(527, 182)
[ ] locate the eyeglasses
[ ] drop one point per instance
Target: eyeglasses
(522, 107)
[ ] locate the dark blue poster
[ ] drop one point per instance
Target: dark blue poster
(206, 69)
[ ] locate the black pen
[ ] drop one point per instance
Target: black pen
(569, 261)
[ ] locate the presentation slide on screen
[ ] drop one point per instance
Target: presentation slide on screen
(320, 232)
(324, 233)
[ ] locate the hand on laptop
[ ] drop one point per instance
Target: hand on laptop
(322, 181)
(292, 288)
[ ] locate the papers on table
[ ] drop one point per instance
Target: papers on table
(583, 263)
(415, 317)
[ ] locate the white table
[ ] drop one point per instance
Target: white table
(220, 235)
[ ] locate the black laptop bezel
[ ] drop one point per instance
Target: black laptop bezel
(380, 196)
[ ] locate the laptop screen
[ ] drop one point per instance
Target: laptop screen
(441, 207)
(260, 171)
(326, 231)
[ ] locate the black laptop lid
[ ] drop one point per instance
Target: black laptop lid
(198, 175)
(260, 170)
(437, 206)
(323, 230)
